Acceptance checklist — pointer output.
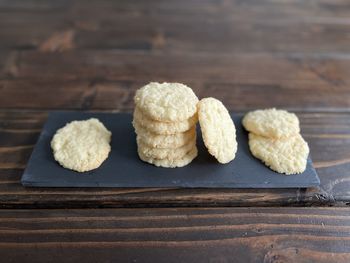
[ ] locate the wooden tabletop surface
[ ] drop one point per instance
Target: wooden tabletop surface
(93, 55)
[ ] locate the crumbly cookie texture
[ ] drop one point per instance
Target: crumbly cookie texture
(166, 153)
(171, 163)
(81, 145)
(166, 128)
(163, 141)
(287, 155)
(271, 123)
(218, 129)
(167, 102)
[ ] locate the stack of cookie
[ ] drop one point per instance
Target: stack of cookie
(275, 139)
(165, 120)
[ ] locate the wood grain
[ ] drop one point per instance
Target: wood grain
(328, 135)
(108, 79)
(224, 26)
(188, 235)
(93, 55)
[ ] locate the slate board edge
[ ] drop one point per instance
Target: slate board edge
(29, 183)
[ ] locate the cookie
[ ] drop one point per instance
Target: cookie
(166, 153)
(165, 128)
(286, 155)
(163, 141)
(271, 123)
(171, 163)
(167, 102)
(218, 129)
(81, 145)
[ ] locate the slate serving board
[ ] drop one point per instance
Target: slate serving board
(123, 168)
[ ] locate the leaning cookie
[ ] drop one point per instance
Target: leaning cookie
(167, 102)
(171, 163)
(163, 141)
(288, 155)
(271, 123)
(166, 128)
(81, 145)
(218, 129)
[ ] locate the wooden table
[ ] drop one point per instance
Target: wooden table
(93, 55)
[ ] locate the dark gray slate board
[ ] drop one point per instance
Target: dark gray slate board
(123, 168)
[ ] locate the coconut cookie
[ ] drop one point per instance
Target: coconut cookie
(163, 141)
(170, 163)
(218, 129)
(167, 102)
(288, 155)
(271, 123)
(165, 153)
(81, 145)
(165, 128)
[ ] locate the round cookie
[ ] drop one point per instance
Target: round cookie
(218, 129)
(287, 155)
(271, 123)
(81, 145)
(171, 163)
(165, 128)
(167, 102)
(165, 153)
(163, 141)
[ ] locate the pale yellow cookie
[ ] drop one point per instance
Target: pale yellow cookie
(286, 155)
(81, 145)
(166, 153)
(165, 128)
(167, 102)
(271, 123)
(218, 129)
(171, 163)
(163, 141)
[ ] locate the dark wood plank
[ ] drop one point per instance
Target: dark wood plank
(108, 79)
(220, 26)
(328, 135)
(186, 235)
